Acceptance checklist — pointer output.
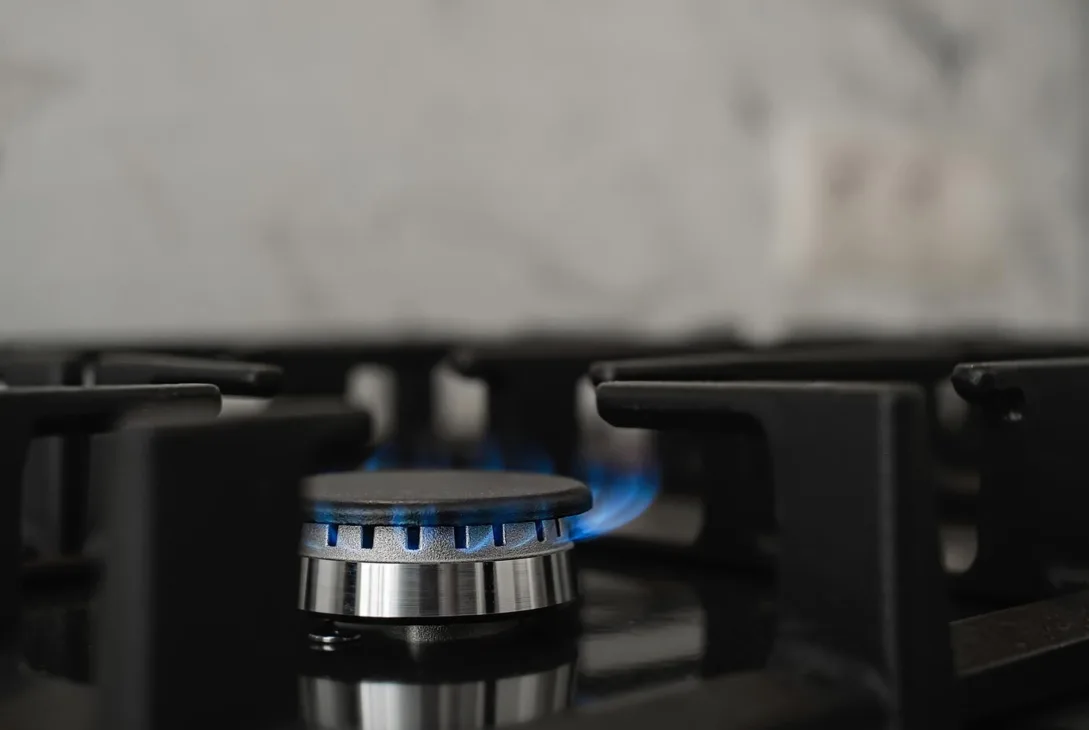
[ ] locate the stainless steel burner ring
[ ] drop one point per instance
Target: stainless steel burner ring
(437, 579)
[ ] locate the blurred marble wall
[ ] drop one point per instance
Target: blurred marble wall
(260, 166)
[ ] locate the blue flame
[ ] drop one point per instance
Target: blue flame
(482, 540)
(620, 495)
(382, 458)
(526, 539)
(323, 513)
(399, 516)
(416, 515)
(490, 457)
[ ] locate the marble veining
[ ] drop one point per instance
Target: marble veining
(256, 166)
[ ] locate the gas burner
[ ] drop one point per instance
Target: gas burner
(429, 546)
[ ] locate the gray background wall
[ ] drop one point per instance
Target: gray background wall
(260, 166)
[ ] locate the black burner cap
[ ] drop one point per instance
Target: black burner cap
(451, 498)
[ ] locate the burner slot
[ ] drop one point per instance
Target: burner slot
(479, 537)
(337, 538)
(386, 543)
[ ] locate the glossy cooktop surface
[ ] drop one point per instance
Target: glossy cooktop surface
(640, 628)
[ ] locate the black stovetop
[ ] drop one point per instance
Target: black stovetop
(787, 574)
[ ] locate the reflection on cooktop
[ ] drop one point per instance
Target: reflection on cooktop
(331, 704)
(637, 632)
(634, 633)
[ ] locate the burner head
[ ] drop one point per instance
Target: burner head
(453, 498)
(437, 545)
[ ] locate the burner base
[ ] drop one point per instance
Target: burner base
(431, 592)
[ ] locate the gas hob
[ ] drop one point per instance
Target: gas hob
(804, 538)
